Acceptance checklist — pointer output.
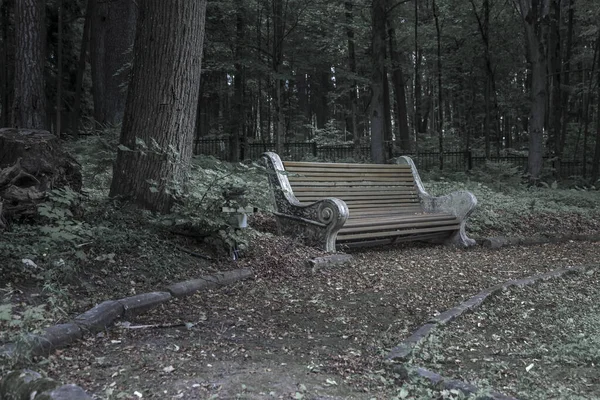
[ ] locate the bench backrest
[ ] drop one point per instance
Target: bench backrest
(367, 189)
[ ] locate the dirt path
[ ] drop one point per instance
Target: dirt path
(311, 335)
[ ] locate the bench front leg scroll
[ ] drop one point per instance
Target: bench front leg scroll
(460, 204)
(317, 223)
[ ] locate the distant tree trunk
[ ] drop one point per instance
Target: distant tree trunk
(377, 91)
(6, 62)
(534, 12)
(29, 104)
(387, 115)
(555, 65)
(278, 28)
(59, 69)
(161, 104)
(85, 40)
(440, 121)
(418, 57)
(319, 94)
(596, 162)
(588, 99)
(352, 67)
(566, 78)
(399, 92)
(490, 86)
(113, 27)
(237, 131)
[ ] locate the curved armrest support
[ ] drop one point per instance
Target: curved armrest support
(461, 204)
(318, 222)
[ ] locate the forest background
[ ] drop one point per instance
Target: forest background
(487, 78)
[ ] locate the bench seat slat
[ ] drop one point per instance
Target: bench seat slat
(349, 178)
(365, 184)
(357, 197)
(405, 232)
(360, 212)
(300, 164)
(386, 220)
(396, 226)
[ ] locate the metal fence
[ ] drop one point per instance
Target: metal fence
(452, 161)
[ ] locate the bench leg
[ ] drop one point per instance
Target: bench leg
(459, 238)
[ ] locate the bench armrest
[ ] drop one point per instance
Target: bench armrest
(461, 203)
(318, 223)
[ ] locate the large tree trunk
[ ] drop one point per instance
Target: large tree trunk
(32, 163)
(6, 62)
(534, 16)
(377, 91)
(161, 104)
(29, 105)
(113, 27)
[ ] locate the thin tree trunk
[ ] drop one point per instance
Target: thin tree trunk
(596, 162)
(586, 112)
(352, 67)
(440, 121)
(161, 104)
(536, 34)
(113, 27)
(555, 64)
(377, 90)
(399, 92)
(386, 109)
(59, 73)
(417, 94)
(85, 40)
(237, 131)
(567, 78)
(277, 60)
(29, 104)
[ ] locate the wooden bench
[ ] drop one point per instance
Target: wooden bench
(337, 204)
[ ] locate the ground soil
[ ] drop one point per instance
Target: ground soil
(294, 332)
(535, 342)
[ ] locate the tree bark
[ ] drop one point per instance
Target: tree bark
(113, 27)
(29, 104)
(158, 125)
(377, 90)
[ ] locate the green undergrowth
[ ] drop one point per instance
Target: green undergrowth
(518, 210)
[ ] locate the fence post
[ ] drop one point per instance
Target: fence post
(314, 149)
(469, 160)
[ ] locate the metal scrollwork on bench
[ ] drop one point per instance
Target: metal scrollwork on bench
(316, 223)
